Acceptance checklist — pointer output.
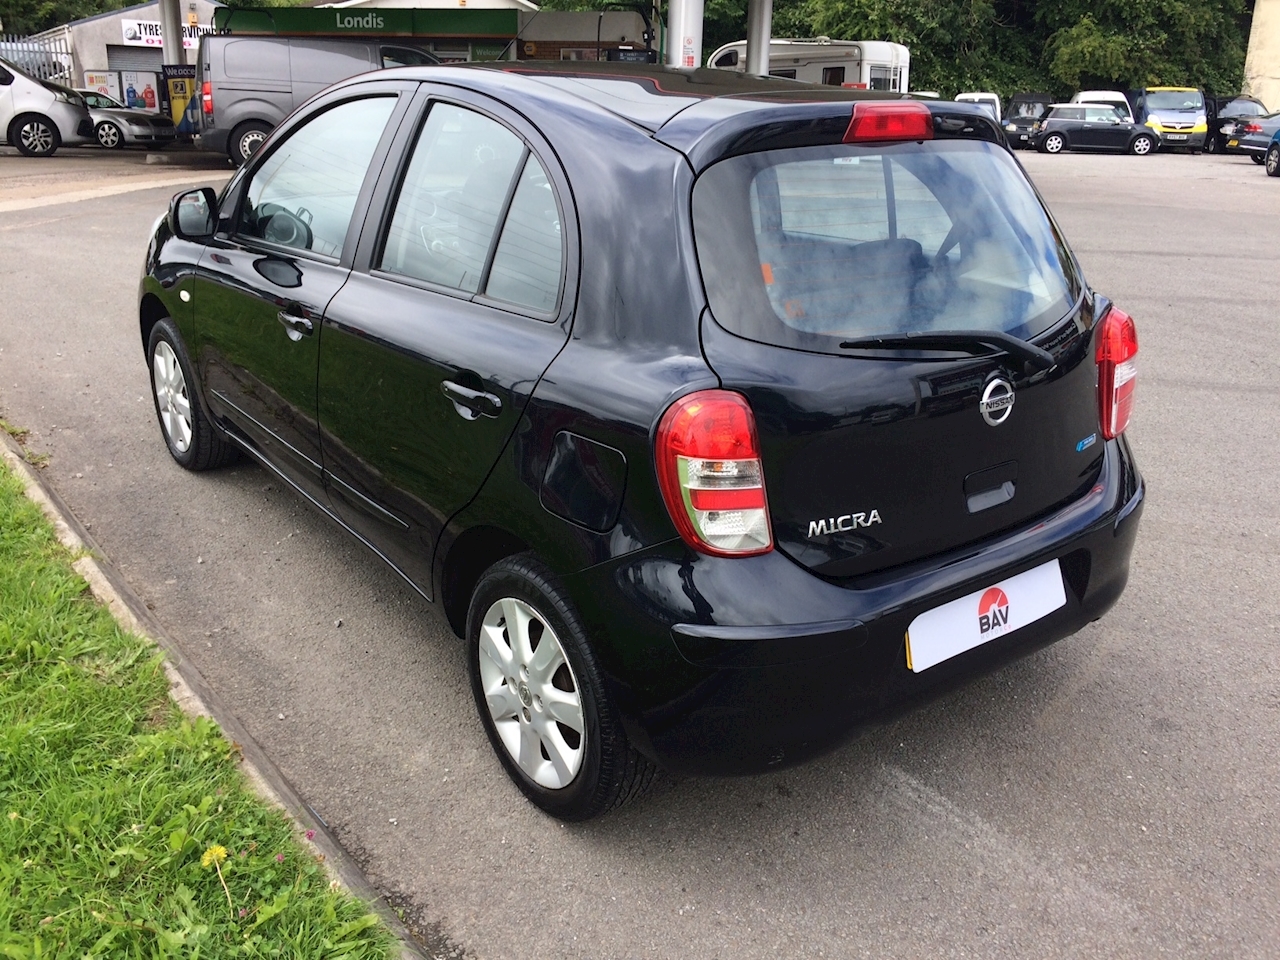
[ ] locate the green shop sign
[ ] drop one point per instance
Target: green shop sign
(384, 21)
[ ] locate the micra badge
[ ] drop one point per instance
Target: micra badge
(850, 521)
(1086, 443)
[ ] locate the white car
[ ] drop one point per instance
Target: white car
(38, 116)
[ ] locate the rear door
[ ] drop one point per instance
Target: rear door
(876, 457)
(460, 299)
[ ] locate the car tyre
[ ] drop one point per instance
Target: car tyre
(1054, 143)
(1273, 160)
(109, 135)
(535, 684)
(1258, 158)
(1142, 145)
(191, 438)
(1211, 145)
(246, 139)
(35, 135)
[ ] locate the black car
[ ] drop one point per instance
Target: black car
(1230, 114)
(716, 413)
(1021, 115)
(1253, 136)
(1090, 126)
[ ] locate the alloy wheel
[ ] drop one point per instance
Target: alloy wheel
(533, 697)
(171, 396)
(1142, 146)
(1054, 144)
(108, 135)
(1273, 161)
(36, 136)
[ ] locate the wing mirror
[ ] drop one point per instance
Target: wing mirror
(194, 215)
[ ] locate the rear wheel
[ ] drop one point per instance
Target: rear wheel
(192, 439)
(109, 135)
(1211, 145)
(1258, 158)
(1273, 160)
(1054, 143)
(246, 140)
(1142, 145)
(34, 135)
(541, 696)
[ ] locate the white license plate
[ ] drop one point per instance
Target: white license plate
(1175, 136)
(951, 629)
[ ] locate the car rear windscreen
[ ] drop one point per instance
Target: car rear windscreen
(807, 247)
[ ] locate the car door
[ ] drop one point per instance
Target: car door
(1104, 131)
(456, 306)
(262, 285)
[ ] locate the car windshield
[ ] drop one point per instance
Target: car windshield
(1027, 109)
(1176, 100)
(811, 246)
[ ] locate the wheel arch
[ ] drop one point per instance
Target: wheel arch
(472, 553)
(150, 312)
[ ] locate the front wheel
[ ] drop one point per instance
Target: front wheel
(35, 136)
(190, 437)
(1054, 143)
(541, 697)
(1211, 145)
(1273, 160)
(1142, 145)
(109, 135)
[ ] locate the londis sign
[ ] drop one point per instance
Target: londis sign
(384, 21)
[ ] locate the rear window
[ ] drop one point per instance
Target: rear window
(807, 247)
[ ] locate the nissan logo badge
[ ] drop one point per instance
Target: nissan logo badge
(997, 401)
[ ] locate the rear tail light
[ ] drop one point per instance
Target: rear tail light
(712, 480)
(206, 98)
(1249, 128)
(1117, 371)
(875, 120)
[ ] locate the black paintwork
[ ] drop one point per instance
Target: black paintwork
(1113, 136)
(447, 431)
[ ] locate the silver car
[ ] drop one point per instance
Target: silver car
(38, 116)
(115, 125)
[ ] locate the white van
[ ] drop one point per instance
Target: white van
(1112, 98)
(989, 100)
(38, 116)
(858, 64)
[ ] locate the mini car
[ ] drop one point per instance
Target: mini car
(116, 126)
(1092, 127)
(717, 414)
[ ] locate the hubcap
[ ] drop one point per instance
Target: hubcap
(250, 142)
(108, 135)
(37, 137)
(171, 396)
(533, 696)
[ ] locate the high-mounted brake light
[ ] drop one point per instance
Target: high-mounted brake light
(889, 120)
(710, 474)
(206, 98)
(1117, 357)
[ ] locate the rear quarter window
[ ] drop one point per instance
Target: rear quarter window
(808, 247)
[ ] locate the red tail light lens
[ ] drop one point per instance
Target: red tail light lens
(206, 98)
(1249, 128)
(875, 120)
(712, 480)
(1117, 371)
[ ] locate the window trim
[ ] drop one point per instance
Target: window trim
(391, 183)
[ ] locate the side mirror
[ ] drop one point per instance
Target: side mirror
(194, 215)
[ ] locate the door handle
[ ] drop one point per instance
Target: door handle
(471, 403)
(296, 327)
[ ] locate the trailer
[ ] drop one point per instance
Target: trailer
(859, 64)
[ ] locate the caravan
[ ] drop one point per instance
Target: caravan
(858, 64)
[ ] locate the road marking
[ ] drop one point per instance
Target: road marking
(112, 190)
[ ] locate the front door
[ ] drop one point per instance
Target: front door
(262, 288)
(433, 347)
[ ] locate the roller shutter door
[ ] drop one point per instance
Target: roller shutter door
(145, 59)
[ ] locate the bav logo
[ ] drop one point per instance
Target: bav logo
(993, 610)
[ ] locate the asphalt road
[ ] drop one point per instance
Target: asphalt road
(1116, 795)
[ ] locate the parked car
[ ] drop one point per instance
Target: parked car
(249, 84)
(834, 424)
(1229, 113)
(1023, 111)
(1253, 137)
(989, 100)
(38, 116)
(1090, 126)
(1273, 156)
(1114, 98)
(1177, 114)
(115, 125)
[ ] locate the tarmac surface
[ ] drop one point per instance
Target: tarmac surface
(1116, 795)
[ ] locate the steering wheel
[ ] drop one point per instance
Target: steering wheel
(284, 227)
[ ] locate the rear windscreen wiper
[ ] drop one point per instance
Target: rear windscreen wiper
(957, 340)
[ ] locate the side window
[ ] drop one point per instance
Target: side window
(526, 266)
(1100, 114)
(833, 76)
(305, 192)
(6, 77)
(457, 185)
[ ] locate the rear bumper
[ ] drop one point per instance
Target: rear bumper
(212, 139)
(738, 666)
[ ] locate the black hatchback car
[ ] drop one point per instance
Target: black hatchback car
(717, 414)
(1090, 126)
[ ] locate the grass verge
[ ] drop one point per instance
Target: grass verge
(126, 829)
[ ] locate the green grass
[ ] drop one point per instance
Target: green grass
(110, 799)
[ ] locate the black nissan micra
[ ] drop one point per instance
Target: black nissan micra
(716, 414)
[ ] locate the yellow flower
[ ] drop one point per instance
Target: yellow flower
(13, 814)
(214, 855)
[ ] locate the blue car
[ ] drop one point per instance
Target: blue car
(1273, 156)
